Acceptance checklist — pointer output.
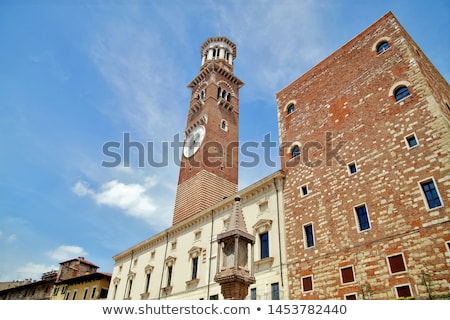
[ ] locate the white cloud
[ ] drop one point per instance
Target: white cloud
(7, 238)
(32, 270)
(65, 252)
(131, 198)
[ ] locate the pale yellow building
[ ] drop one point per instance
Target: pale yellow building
(181, 261)
(91, 286)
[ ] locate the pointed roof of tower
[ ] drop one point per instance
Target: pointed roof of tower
(236, 226)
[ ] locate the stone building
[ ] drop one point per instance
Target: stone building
(76, 279)
(90, 286)
(365, 145)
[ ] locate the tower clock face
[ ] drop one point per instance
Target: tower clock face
(193, 141)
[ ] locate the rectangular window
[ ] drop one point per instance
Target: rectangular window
(103, 293)
(347, 275)
(304, 190)
(264, 242)
(94, 291)
(74, 294)
(85, 293)
(403, 291)
(309, 235)
(431, 194)
(194, 268)
(169, 275)
(411, 141)
(351, 296)
(67, 295)
(352, 168)
(275, 291)
(253, 294)
(147, 281)
(396, 263)
(307, 284)
(214, 297)
(115, 291)
(363, 217)
(55, 291)
(130, 285)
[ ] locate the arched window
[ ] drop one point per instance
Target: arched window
(295, 151)
(291, 108)
(401, 93)
(224, 125)
(382, 47)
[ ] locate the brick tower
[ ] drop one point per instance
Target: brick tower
(209, 164)
(366, 151)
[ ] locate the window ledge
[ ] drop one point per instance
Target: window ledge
(403, 99)
(192, 282)
(265, 261)
(145, 295)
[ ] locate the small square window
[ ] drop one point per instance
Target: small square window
(431, 194)
(307, 284)
(352, 169)
(448, 245)
(304, 190)
(396, 263)
(411, 141)
(197, 235)
(347, 275)
(403, 291)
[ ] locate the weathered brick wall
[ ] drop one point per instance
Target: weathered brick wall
(345, 104)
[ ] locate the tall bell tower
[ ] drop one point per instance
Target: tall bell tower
(209, 163)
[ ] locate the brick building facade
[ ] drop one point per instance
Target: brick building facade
(365, 144)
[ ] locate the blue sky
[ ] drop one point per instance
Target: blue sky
(77, 74)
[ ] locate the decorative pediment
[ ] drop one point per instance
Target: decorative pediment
(262, 226)
(148, 269)
(195, 252)
(170, 261)
(116, 281)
